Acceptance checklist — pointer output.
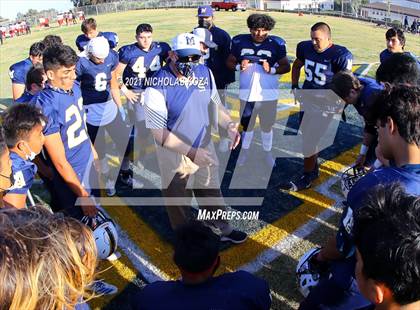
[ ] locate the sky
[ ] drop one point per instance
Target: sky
(9, 8)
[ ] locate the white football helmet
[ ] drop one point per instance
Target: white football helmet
(104, 232)
(350, 176)
(306, 276)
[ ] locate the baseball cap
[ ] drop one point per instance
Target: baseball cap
(205, 11)
(205, 37)
(98, 47)
(186, 44)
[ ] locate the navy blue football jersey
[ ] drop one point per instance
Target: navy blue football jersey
(186, 104)
(321, 67)
(371, 89)
(26, 97)
(19, 70)
(272, 49)
(82, 40)
(385, 54)
(95, 78)
(23, 173)
(236, 290)
(217, 57)
(66, 116)
(142, 64)
(408, 176)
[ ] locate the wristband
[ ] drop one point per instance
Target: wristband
(238, 67)
(377, 164)
(363, 149)
(273, 70)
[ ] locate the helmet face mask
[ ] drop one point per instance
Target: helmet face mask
(350, 177)
(104, 233)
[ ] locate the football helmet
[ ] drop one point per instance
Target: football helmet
(104, 232)
(350, 176)
(307, 276)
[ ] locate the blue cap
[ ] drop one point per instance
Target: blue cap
(205, 11)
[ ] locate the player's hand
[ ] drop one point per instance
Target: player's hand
(233, 133)
(244, 64)
(201, 157)
(380, 156)
(360, 161)
(293, 91)
(89, 207)
(132, 96)
(172, 56)
(266, 66)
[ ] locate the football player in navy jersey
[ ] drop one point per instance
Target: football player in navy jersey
(23, 126)
(89, 32)
(361, 92)
(386, 235)
(19, 70)
(66, 138)
(196, 254)
(397, 112)
(96, 71)
(216, 60)
(138, 62)
(321, 60)
(395, 43)
(35, 82)
(260, 58)
(177, 105)
(399, 68)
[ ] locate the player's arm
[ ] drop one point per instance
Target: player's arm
(115, 88)
(297, 65)
(43, 168)
(17, 90)
(131, 96)
(17, 201)
(283, 66)
(54, 145)
(224, 119)
(329, 252)
(156, 120)
(231, 62)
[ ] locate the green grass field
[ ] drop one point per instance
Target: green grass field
(364, 40)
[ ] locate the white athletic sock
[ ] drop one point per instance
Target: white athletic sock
(267, 140)
(247, 139)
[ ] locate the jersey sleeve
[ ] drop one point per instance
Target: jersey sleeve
(79, 43)
(79, 69)
(344, 61)
(52, 125)
(115, 60)
(281, 48)
(236, 48)
(355, 199)
(123, 55)
(156, 112)
(300, 51)
(112, 38)
(23, 180)
(17, 76)
(165, 50)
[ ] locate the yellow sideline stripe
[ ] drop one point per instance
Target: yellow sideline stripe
(119, 273)
(313, 204)
(160, 252)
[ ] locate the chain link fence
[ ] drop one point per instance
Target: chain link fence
(121, 6)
